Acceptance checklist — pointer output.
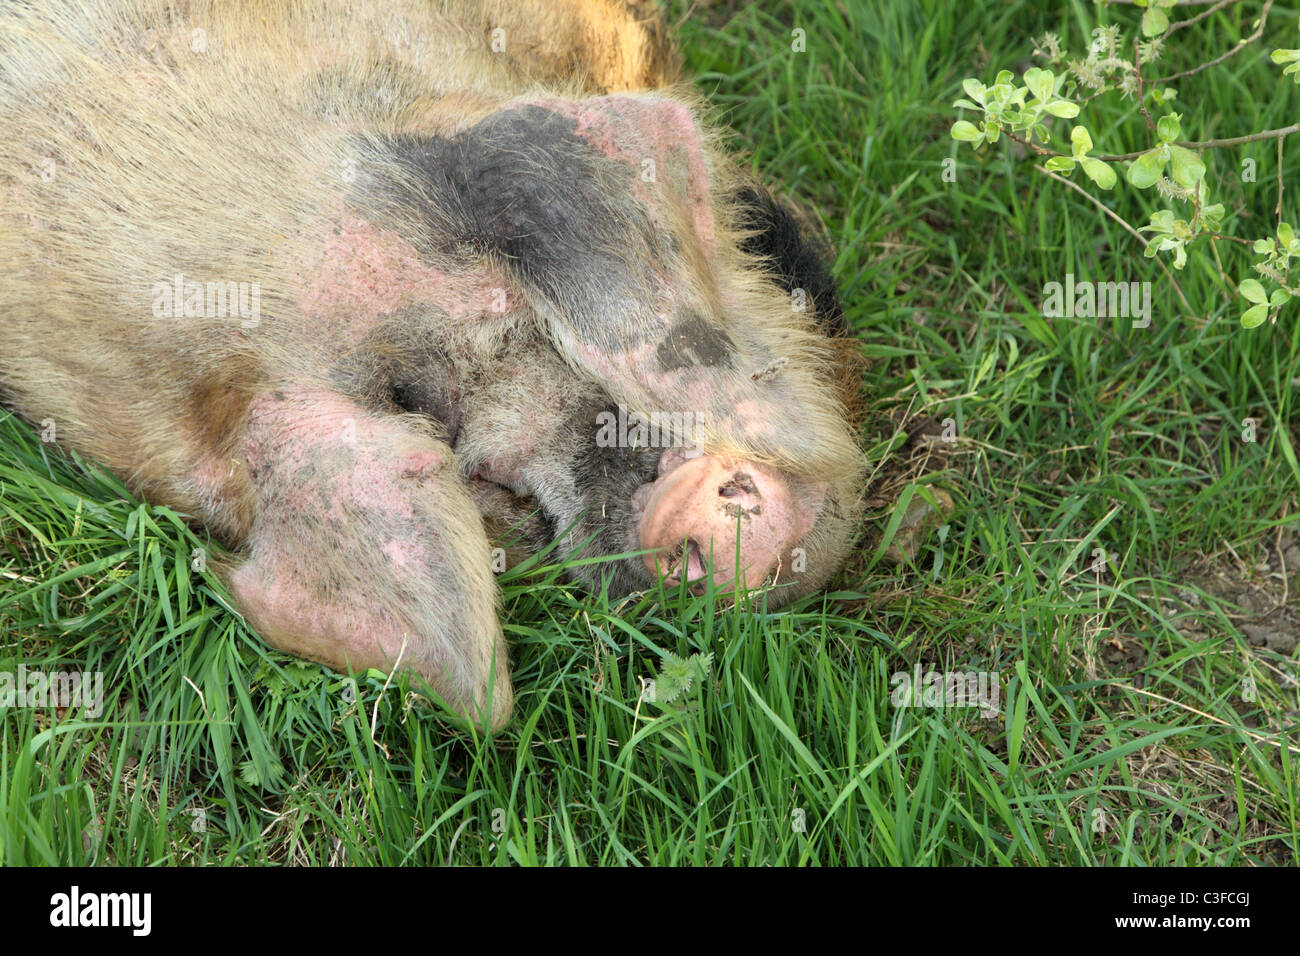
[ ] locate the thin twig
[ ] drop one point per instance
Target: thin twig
(1279, 183)
(1223, 274)
(1241, 45)
(1278, 134)
(1137, 72)
(1180, 3)
(1029, 143)
(1237, 239)
(1286, 268)
(1200, 16)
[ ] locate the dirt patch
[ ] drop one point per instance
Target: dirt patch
(1260, 594)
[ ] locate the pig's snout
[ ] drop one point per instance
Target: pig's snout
(743, 515)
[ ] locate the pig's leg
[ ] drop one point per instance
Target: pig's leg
(367, 550)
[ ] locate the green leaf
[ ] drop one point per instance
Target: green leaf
(1279, 297)
(1062, 108)
(991, 131)
(1264, 246)
(966, 132)
(1187, 166)
(1252, 290)
(1098, 172)
(974, 89)
(678, 675)
(1285, 56)
(1168, 128)
(1162, 220)
(1080, 142)
(1285, 234)
(673, 680)
(1254, 316)
(1165, 244)
(253, 776)
(1154, 22)
(1147, 168)
(966, 105)
(1060, 164)
(1040, 82)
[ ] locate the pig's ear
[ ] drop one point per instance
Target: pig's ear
(367, 550)
(791, 248)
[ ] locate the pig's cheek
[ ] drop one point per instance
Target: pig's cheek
(807, 498)
(810, 499)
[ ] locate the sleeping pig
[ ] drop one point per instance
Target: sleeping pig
(351, 283)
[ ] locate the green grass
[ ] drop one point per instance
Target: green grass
(1126, 732)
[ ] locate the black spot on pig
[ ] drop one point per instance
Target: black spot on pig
(693, 341)
(524, 186)
(793, 255)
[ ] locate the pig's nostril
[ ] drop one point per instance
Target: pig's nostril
(739, 485)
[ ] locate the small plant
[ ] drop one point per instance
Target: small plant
(679, 676)
(1174, 167)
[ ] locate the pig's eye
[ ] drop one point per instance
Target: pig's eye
(650, 473)
(420, 397)
(549, 524)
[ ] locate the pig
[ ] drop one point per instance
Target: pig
(356, 283)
